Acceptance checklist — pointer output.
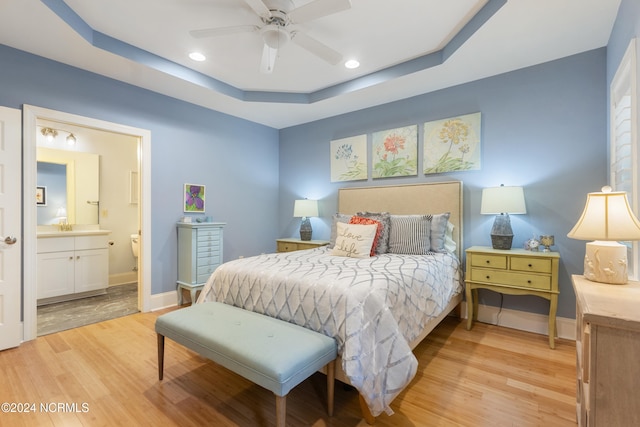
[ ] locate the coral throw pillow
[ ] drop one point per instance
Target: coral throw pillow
(368, 221)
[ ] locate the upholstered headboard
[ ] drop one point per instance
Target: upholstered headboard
(426, 198)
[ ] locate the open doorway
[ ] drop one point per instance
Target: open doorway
(135, 190)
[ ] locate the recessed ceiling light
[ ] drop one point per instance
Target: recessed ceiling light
(351, 64)
(197, 56)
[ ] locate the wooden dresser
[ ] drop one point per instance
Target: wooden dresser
(608, 353)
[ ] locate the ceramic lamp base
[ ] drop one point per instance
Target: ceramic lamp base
(305, 229)
(606, 262)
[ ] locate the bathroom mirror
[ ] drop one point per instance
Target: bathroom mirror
(72, 182)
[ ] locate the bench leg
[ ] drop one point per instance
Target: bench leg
(160, 356)
(331, 381)
(281, 410)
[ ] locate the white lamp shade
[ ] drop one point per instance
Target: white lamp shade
(607, 216)
(498, 200)
(305, 208)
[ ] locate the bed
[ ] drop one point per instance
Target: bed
(377, 308)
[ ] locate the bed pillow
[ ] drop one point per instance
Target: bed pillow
(354, 240)
(369, 221)
(383, 242)
(338, 217)
(438, 231)
(450, 244)
(409, 234)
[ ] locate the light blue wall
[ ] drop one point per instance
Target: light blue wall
(543, 127)
(236, 159)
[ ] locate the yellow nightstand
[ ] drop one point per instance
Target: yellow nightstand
(513, 272)
(290, 245)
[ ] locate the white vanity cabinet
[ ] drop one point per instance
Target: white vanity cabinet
(71, 267)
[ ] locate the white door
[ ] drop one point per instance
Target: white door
(10, 228)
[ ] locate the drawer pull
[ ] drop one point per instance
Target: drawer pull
(488, 277)
(529, 281)
(488, 262)
(530, 265)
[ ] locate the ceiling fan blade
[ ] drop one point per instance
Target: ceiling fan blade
(317, 9)
(269, 56)
(213, 32)
(314, 46)
(259, 8)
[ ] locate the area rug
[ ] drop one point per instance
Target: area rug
(119, 301)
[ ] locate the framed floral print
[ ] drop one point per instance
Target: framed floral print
(349, 159)
(452, 144)
(194, 197)
(395, 152)
(41, 196)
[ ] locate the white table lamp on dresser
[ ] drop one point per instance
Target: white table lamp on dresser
(607, 219)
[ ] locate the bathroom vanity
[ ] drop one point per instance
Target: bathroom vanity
(72, 264)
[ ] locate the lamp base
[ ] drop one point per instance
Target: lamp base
(501, 242)
(501, 233)
(606, 262)
(305, 229)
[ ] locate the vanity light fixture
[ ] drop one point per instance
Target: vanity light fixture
(71, 139)
(49, 133)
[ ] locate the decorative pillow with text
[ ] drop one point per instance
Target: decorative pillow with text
(354, 240)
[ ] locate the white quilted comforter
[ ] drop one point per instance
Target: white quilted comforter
(373, 307)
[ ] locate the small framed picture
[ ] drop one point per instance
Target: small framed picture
(41, 196)
(194, 197)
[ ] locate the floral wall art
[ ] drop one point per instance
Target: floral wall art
(395, 152)
(349, 159)
(193, 198)
(452, 144)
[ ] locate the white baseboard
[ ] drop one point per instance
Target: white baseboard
(164, 300)
(515, 319)
(524, 321)
(123, 278)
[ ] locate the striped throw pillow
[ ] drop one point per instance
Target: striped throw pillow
(409, 234)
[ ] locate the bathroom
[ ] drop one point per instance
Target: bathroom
(81, 156)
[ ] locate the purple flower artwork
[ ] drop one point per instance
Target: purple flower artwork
(193, 198)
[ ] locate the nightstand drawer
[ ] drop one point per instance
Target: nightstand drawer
(489, 261)
(536, 265)
(511, 279)
(287, 247)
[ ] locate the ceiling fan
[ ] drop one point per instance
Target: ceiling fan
(277, 17)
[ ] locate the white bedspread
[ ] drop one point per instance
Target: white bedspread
(373, 307)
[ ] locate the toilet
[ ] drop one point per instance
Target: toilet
(134, 245)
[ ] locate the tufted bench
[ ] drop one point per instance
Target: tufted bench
(272, 353)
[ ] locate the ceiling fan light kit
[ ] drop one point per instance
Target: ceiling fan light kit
(277, 17)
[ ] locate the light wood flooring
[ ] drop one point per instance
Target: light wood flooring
(105, 374)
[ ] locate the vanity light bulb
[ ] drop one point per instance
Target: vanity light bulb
(71, 139)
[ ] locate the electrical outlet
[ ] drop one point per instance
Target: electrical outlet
(105, 213)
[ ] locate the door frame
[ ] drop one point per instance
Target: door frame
(29, 180)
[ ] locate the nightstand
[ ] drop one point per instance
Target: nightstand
(513, 272)
(290, 245)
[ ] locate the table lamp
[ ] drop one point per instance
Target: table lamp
(607, 219)
(305, 208)
(502, 201)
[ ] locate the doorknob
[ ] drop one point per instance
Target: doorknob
(10, 240)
